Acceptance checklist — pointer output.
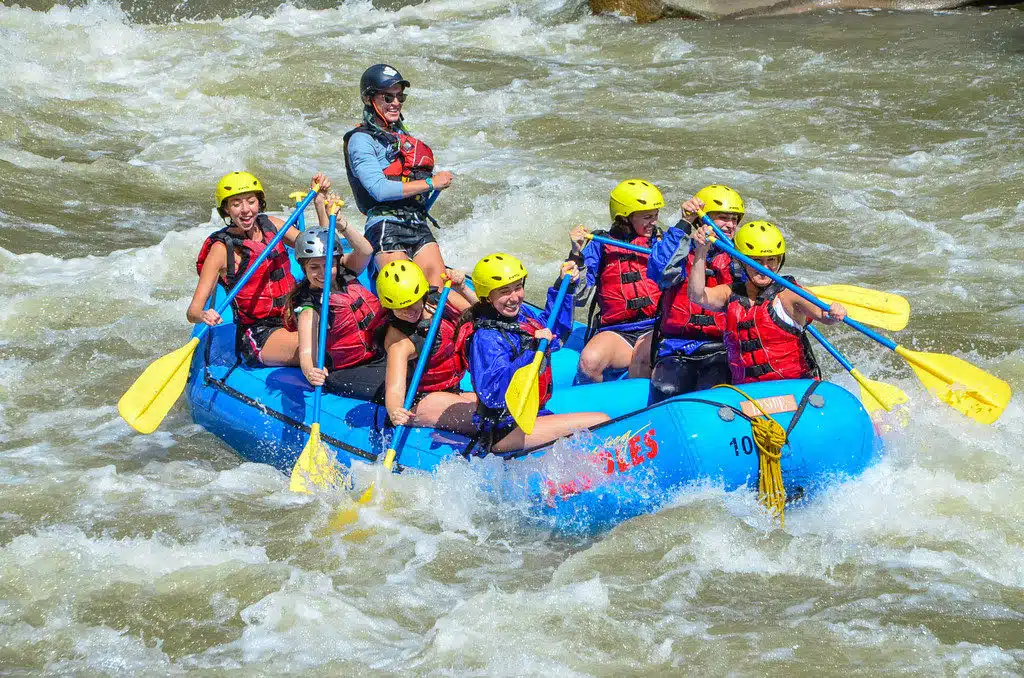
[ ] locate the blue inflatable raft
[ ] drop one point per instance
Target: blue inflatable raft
(622, 468)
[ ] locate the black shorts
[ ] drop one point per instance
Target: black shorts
(395, 235)
(678, 373)
(252, 338)
(631, 336)
(362, 382)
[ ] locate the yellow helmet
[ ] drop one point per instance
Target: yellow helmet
(401, 283)
(720, 198)
(496, 270)
(760, 239)
(237, 183)
(634, 195)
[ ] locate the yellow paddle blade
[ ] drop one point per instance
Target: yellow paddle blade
(389, 459)
(314, 467)
(341, 518)
(871, 307)
(523, 394)
(877, 395)
(350, 514)
(145, 404)
(959, 384)
(389, 464)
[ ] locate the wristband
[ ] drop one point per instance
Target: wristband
(430, 182)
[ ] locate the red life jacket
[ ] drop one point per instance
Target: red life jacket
(414, 160)
(355, 319)
(762, 346)
(683, 319)
(446, 364)
(513, 332)
(624, 292)
(263, 297)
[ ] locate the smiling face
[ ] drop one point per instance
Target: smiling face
(760, 280)
(315, 269)
(243, 209)
(508, 300)
(391, 110)
(643, 222)
(410, 314)
(727, 221)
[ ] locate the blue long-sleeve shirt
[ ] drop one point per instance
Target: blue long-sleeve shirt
(667, 264)
(492, 361)
(367, 159)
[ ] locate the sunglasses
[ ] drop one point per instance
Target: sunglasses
(388, 97)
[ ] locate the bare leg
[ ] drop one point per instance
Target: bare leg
(450, 411)
(384, 258)
(429, 259)
(606, 349)
(640, 366)
(282, 348)
(548, 428)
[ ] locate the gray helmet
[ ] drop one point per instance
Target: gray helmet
(312, 243)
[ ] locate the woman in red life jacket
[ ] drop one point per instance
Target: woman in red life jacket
(392, 177)
(689, 354)
(225, 256)
(764, 328)
(623, 300)
(354, 363)
(439, 402)
(502, 334)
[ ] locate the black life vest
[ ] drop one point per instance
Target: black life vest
(762, 346)
(262, 298)
(412, 160)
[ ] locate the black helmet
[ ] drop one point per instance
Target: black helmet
(380, 77)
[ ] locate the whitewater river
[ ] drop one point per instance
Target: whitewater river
(889, 147)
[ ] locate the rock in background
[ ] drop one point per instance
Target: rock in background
(646, 11)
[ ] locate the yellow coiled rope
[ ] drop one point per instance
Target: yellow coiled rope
(770, 437)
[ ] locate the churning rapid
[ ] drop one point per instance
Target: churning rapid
(888, 146)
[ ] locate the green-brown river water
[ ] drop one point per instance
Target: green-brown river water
(889, 147)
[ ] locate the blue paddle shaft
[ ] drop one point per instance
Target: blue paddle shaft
(555, 309)
(813, 331)
(432, 199)
(251, 271)
(421, 364)
(301, 222)
(624, 245)
(325, 307)
(721, 243)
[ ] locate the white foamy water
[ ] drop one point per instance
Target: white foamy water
(887, 146)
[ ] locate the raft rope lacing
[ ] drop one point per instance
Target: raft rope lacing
(770, 437)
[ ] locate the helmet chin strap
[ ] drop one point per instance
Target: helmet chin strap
(380, 114)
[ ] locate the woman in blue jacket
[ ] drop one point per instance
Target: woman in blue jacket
(505, 333)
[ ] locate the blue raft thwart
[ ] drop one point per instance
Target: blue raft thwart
(622, 468)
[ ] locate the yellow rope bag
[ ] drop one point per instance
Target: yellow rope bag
(770, 437)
